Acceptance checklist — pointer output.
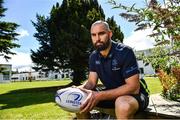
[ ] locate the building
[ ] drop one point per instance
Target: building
(49, 75)
(145, 69)
(5, 72)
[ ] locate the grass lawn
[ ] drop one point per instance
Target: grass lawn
(35, 100)
(31, 100)
(154, 85)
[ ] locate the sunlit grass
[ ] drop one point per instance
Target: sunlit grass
(29, 100)
(154, 85)
(35, 100)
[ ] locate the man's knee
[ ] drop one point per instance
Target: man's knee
(126, 105)
(122, 104)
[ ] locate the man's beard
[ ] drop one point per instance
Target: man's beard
(103, 46)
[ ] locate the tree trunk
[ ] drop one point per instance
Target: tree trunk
(78, 76)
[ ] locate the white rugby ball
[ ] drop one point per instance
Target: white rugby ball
(70, 99)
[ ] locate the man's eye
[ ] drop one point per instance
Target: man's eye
(93, 34)
(101, 33)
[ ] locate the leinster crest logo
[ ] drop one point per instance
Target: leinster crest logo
(74, 98)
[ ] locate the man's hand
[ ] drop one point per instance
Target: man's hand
(90, 102)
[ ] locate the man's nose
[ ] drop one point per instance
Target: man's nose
(97, 38)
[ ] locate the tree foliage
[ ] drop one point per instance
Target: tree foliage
(2, 69)
(7, 35)
(64, 37)
(164, 19)
(117, 34)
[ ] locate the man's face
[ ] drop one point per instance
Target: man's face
(100, 37)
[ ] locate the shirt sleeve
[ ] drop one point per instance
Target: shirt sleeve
(92, 65)
(130, 66)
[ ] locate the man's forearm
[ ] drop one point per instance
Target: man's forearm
(132, 86)
(114, 93)
(88, 85)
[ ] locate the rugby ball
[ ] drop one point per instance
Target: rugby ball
(70, 99)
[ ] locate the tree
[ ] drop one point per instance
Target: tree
(2, 69)
(64, 37)
(44, 56)
(163, 18)
(7, 35)
(117, 34)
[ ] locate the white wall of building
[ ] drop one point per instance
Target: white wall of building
(1, 77)
(51, 75)
(147, 69)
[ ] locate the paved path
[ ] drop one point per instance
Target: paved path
(164, 107)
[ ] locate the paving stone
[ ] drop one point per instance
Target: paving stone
(162, 106)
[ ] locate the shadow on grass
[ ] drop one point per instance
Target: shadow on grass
(30, 96)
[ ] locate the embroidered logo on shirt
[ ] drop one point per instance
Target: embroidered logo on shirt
(114, 62)
(97, 62)
(115, 65)
(115, 68)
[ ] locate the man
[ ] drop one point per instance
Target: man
(116, 66)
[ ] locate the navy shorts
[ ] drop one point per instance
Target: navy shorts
(142, 99)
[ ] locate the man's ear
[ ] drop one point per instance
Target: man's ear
(110, 34)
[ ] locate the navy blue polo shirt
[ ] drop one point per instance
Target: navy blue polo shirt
(119, 65)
